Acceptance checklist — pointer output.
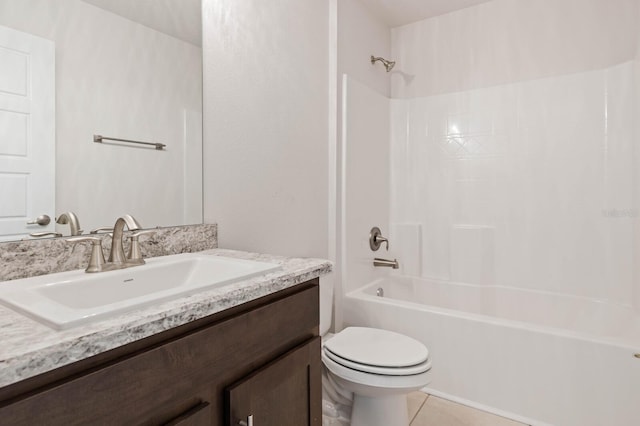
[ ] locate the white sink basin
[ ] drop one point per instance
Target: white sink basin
(71, 298)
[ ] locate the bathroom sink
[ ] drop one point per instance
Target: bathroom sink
(67, 299)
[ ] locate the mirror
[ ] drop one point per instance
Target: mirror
(122, 69)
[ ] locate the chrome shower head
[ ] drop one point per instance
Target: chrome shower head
(387, 64)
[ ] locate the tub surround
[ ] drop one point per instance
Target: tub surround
(29, 258)
(30, 348)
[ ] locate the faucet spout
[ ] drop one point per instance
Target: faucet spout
(386, 263)
(72, 220)
(116, 256)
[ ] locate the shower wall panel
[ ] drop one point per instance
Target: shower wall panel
(514, 141)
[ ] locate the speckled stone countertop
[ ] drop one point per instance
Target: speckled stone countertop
(29, 348)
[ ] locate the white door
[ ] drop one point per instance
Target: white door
(27, 133)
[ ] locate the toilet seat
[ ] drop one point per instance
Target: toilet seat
(379, 381)
(374, 369)
(376, 348)
(376, 351)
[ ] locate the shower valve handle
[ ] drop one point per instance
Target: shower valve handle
(376, 239)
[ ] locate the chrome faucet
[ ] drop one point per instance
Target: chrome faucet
(117, 259)
(116, 256)
(72, 220)
(386, 263)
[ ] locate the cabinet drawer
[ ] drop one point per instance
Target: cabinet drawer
(159, 383)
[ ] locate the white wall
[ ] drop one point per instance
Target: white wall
(120, 79)
(505, 41)
(365, 181)
(360, 34)
(266, 124)
(514, 149)
(636, 174)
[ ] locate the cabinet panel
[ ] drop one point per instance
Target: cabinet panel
(159, 383)
(200, 415)
(285, 392)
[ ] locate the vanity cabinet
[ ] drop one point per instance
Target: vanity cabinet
(261, 358)
(280, 393)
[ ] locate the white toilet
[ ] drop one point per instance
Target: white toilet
(380, 367)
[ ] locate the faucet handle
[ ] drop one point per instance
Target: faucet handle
(376, 239)
(101, 229)
(96, 261)
(45, 234)
(135, 254)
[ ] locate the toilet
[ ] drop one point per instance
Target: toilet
(380, 367)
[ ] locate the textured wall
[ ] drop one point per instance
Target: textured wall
(265, 127)
(506, 41)
(360, 35)
(365, 182)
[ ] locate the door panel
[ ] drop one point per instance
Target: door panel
(27, 132)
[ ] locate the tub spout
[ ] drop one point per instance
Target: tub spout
(386, 263)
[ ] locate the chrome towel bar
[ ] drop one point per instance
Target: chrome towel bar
(99, 139)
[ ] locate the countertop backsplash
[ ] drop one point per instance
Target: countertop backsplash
(29, 258)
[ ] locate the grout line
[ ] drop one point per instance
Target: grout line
(419, 409)
(463, 405)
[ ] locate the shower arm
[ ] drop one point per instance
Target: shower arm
(387, 64)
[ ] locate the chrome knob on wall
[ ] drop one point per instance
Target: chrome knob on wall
(376, 239)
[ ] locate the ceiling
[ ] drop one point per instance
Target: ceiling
(177, 18)
(400, 12)
(182, 18)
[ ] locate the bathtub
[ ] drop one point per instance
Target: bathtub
(536, 357)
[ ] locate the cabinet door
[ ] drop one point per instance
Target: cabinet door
(285, 392)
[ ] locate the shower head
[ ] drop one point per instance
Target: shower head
(387, 64)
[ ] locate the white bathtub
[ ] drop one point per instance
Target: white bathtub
(536, 357)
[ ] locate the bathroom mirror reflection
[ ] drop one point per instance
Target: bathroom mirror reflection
(121, 69)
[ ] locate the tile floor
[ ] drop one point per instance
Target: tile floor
(428, 410)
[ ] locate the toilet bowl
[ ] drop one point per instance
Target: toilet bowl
(380, 367)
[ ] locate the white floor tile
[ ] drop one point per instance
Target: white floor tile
(440, 412)
(414, 403)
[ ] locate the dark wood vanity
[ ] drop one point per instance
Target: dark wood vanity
(261, 358)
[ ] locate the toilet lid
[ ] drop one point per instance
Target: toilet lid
(383, 371)
(375, 347)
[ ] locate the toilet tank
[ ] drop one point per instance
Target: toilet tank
(326, 302)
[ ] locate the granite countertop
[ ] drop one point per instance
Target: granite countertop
(30, 348)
